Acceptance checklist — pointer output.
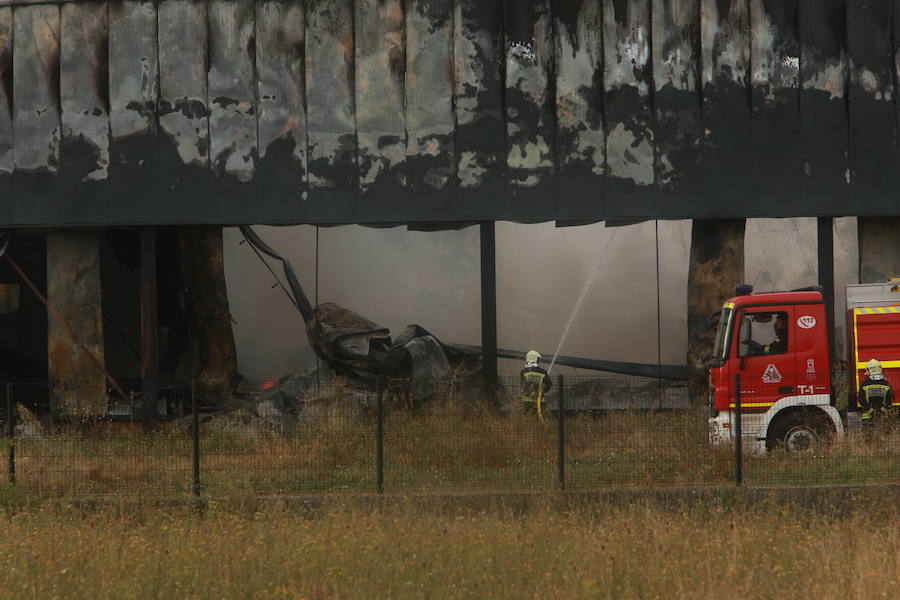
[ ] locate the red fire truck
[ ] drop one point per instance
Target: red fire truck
(779, 344)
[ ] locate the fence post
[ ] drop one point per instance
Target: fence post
(738, 454)
(379, 437)
(11, 433)
(561, 434)
(195, 434)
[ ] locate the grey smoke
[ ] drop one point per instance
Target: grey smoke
(396, 277)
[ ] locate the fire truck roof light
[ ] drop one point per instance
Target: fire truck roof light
(745, 289)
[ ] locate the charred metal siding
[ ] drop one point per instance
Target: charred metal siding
(386, 111)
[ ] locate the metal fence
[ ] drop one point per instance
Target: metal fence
(302, 436)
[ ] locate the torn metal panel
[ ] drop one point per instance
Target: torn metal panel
(380, 63)
(478, 55)
(775, 96)
(629, 117)
(36, 125)
(530, 112)
(430, 155)
(84, 98)
(77, 385)
(676, 77)
(355, 346)
(133, 67)
(281, 97)
(330, 97)
(823, 106)
(83, 82)
(183, 117)
(133, 92)
(580, 128)
(36, 89)
(183, 100)
(725, 51)
(232, 89)
(873, 158)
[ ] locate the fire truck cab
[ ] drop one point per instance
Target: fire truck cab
(778, 343)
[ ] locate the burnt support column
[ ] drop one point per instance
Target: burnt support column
(149, 328)
(489, 307)
(879, 248)
(209, 359)
(77, 383)
(826, 273)
(716, 266)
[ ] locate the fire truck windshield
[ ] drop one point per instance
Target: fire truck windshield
(720, 352)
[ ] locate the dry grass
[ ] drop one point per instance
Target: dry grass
(645, 551)
(436, 448)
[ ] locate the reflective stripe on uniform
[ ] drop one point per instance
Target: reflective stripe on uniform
(534, 383)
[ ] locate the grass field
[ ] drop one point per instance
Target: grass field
(770, 549)
(433, 450)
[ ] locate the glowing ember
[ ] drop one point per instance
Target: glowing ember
(268, 384)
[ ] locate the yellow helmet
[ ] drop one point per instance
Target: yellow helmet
(533, 357)
(873, 367)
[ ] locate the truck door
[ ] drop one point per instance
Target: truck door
(811, 350)
(766, 342)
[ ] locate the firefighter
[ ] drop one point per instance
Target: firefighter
(776, 346)
(876, 396)
(535, 382)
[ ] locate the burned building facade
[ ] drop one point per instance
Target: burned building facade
(186, 115)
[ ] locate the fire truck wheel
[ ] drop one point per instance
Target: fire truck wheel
(799, 432)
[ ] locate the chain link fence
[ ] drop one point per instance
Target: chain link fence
(304, 436)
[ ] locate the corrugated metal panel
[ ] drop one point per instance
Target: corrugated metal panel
(381, 111)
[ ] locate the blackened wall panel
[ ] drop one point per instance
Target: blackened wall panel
(480, 143)
(332, 152)
(430, 154)
(185, 174)
(84, 96)
(629, 115)
(7, 147)
(133, 94)
(727, 177)
(580, 130)
(232, 106)
(676, 101)
(873, 163)
(36, 125)
(383, 111)
(380, 95)
(823, 107)
(281, 95)
(775, 121)
(530, 112)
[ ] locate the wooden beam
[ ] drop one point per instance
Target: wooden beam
(77, 384)
(716, 266)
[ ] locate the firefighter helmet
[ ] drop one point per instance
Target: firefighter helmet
(533, 357)
(873, 368)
